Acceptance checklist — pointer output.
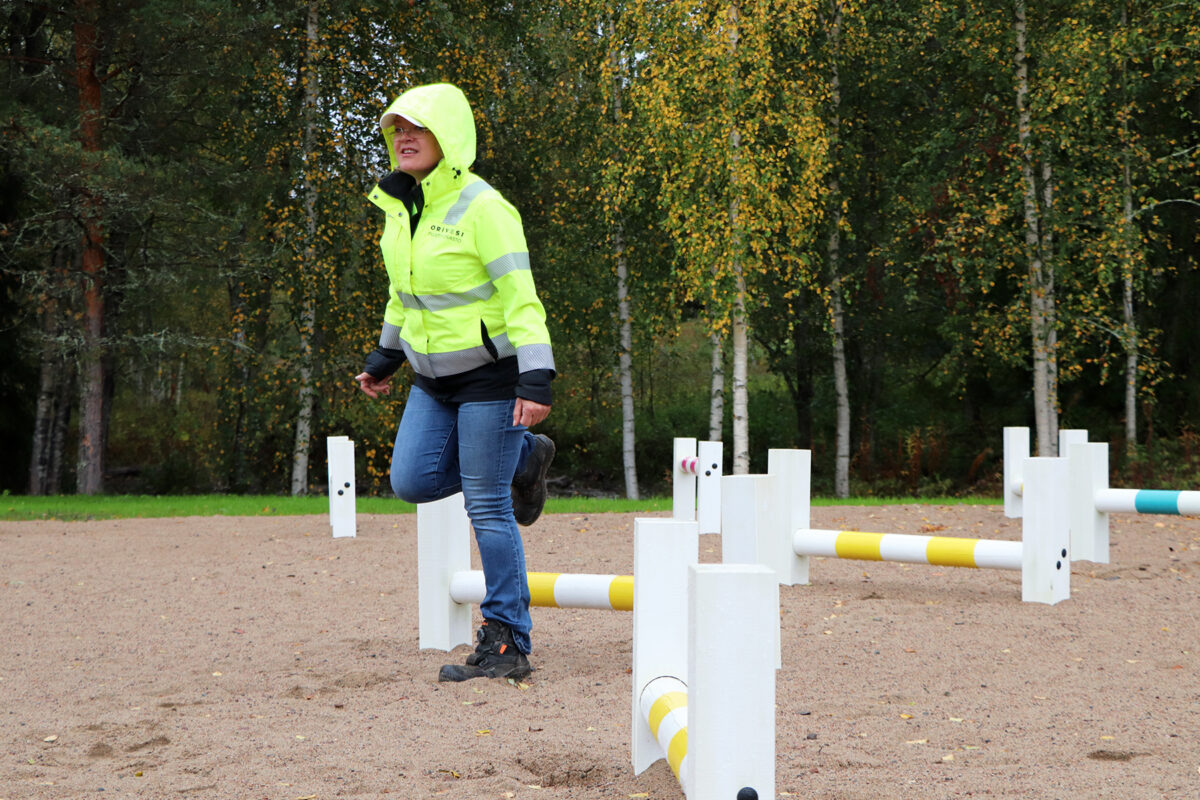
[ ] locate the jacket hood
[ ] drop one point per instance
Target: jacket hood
(444, 110)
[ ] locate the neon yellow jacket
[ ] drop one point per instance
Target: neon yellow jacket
(460, 291)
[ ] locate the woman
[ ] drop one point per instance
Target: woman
(463, 311)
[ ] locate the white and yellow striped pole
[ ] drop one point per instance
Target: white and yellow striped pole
(945, 551)
(1042, 556)
(555, 590)
(663, 707)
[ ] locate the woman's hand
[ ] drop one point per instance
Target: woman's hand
(373, 387)
(529, 413)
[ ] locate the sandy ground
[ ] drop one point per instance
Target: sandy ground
(260, 658)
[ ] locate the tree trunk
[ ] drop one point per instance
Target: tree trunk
(59, 426)
(54, 375)
(44, 415)
(741, 404)
(625, 367)
(624, 320)
(841, 387)
(308, 301)
(741, 409)
(90, 469)
(1129, 338)
(716, 392)
(1037, 248)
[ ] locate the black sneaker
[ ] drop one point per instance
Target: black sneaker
(529, 485)
(496, 656)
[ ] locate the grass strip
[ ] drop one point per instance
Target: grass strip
(82, 507)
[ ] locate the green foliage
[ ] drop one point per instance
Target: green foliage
(609, 126)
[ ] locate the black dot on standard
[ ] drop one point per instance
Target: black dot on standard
(714, 466)
(348, 486)
(1064, 552)
(747, 793)
(1058, 565)
(707, 473)
(340, 491)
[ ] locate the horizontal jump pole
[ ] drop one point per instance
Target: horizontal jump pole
(767, 521)
(555, 590)
(664, 704)
(1147, 501)
(945, 551)
(447, 587)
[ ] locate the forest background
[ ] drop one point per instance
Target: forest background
(882, 231)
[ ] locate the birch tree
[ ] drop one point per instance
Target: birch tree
(726, 145)
(307, 301)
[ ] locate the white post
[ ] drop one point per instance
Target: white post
(733, 611)
(1045, 536)
(710, 461)
(663, 549)
(1087, 467)
(443, 549)
(340, 457)
(1068, 437)
(750, 521)
(1016, 450)
(792, 473)
(683, 484)
(746, 517)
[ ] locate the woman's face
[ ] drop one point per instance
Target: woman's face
(417, 149)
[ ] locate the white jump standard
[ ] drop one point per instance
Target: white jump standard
(704, 644)
(1089, 498)
(780, 536)
(447, 586)
(696, 483)
(340, 457)
(703, 666)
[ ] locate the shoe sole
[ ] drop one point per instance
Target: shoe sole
(455, 673)
(540, 481)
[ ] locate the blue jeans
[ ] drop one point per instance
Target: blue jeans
(444, 448)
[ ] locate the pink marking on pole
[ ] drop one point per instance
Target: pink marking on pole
(688, 466)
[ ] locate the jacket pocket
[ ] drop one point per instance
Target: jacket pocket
(487, 341)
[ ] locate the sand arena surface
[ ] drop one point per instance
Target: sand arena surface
(249, 658)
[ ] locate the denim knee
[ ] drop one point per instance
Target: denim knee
(409, 487)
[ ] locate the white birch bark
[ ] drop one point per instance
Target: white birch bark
(624, 317)
(841, 387)
(1130, 330)
(308, 305)
(716, 392)
(741, 405)
(1041, 270)
(625, 366)
(1129, 337)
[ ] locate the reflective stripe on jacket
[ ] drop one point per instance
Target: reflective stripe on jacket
(461, 294)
